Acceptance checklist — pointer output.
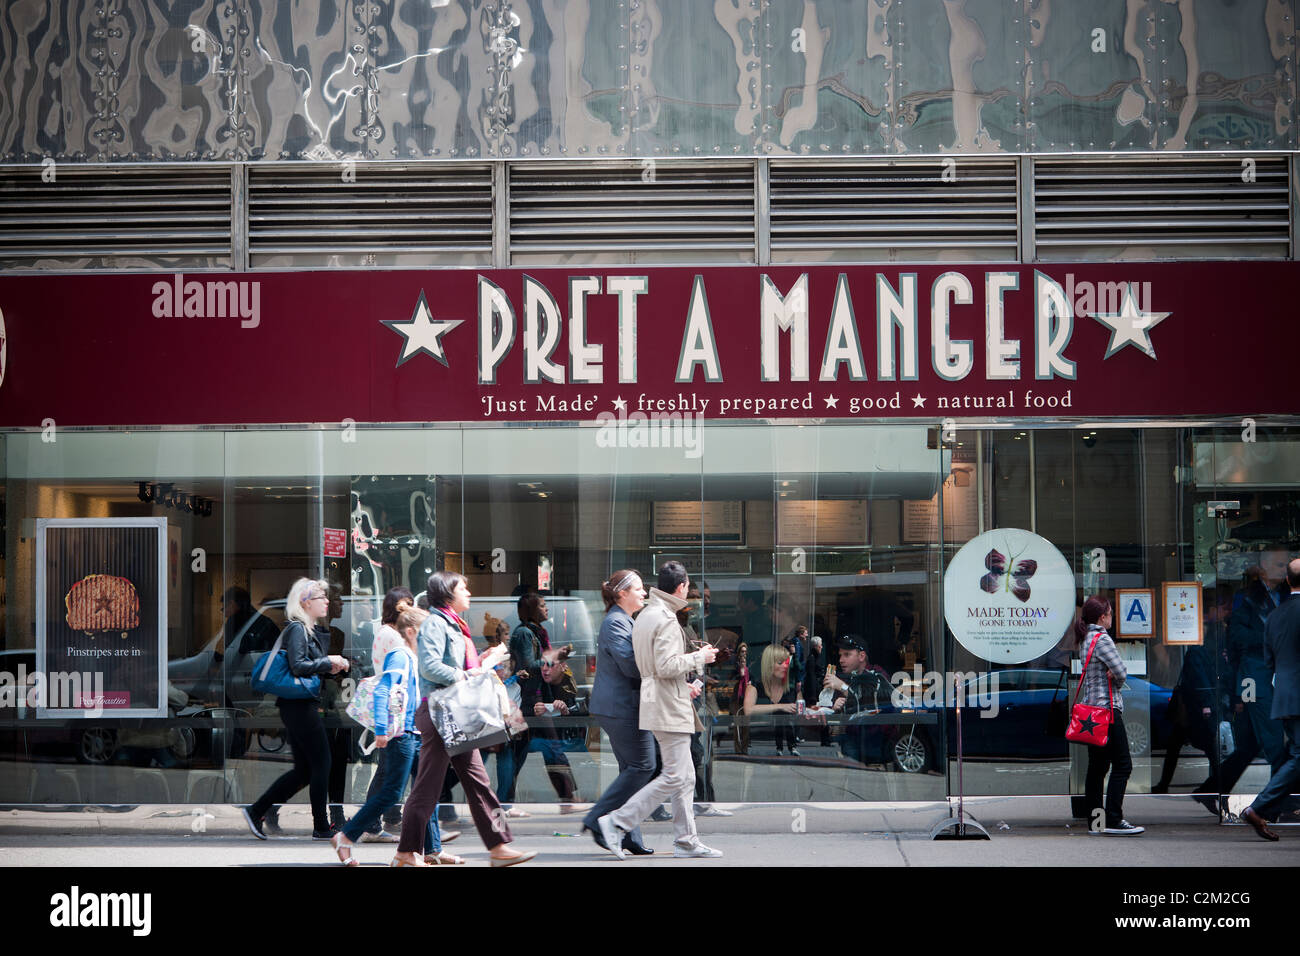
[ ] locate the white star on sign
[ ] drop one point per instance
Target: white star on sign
(831, 401)
(918, 401)
(422, 333)
(619, 403)
(1130, 326)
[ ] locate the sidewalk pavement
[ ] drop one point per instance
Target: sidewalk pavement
(1025, 831)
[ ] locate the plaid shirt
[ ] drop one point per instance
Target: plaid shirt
(1104, 658)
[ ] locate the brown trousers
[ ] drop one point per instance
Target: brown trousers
(489, 818)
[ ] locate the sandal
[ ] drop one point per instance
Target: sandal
(443, 859)
(344, 848)
(398, 861)
(513, 859)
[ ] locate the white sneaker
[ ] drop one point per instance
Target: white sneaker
(696, 851)
(1124, 829)
(709, 810)
(612, 835)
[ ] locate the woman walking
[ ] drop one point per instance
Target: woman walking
(397, 740)
(305, 639)
(445, 655)
(616, 701)
(1103, 676)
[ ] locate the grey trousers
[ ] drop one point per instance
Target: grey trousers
(676, 784)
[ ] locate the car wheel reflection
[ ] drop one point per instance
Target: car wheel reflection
(1139, 740)
(97, 746)
(912, 752)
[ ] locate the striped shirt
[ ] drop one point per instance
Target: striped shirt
(1104, 659)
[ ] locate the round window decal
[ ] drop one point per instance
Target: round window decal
(1008, 596)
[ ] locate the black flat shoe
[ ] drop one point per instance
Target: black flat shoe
(636, 849)
(595, 835)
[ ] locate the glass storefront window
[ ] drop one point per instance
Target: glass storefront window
(804, 540)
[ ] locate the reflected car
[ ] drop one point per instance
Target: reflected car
(1018, 729)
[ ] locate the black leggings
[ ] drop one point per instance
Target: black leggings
(1114, 756)
(311, 762)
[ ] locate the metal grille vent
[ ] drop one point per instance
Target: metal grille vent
(370, 214)
(1160, 208)
(650, 212)
(122, 217)
(901, 211)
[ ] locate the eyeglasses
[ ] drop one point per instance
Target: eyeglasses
(316, 597)
(550, 663)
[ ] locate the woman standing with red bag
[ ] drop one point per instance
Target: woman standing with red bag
(1103, 671)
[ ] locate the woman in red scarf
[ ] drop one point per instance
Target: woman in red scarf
(445, 653)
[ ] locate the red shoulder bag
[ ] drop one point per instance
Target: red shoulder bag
(1090, 724)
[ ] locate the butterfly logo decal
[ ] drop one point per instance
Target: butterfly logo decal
(997, 578)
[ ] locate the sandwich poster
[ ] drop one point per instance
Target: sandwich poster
(101, 616)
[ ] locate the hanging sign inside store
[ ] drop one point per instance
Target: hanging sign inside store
(101, 617)
(1008, 596)
(334, 542)
(631, 351)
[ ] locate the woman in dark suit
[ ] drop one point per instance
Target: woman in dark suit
(445, 655)
(615, 703)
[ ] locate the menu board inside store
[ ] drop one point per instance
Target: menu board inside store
(822, 522)
(696, 522)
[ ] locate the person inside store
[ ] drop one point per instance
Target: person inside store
(1201, 694)
(250, 631)
(615, 703)
(814, 678)
(445, 654)
(885, 621)
(704, 696)
(527, 642)
(305, 641)
(395, 738)
(1283, 658)
(857, 688)
(664, 659)
(793, 636)
(555, 732)
(774, 694)
(1102, 681)
(755, 622)
(1254, 729)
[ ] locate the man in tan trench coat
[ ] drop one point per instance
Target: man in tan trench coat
(664, 659)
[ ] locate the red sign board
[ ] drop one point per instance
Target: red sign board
(334, 543)
(725, 343)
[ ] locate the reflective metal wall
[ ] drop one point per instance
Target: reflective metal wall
(136, 80)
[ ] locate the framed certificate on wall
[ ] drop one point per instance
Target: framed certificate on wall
(1135, 613)
(1182, 613)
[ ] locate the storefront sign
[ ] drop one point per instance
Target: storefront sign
(1135, 613)
(1182, 603)
(646, 354)
(1008, 596)
(101, 613)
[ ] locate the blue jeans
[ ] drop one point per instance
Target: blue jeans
(398, 760)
